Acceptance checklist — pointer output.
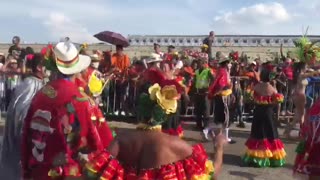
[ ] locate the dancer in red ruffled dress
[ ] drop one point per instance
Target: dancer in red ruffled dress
(147, 153)
(88, 79)
(264, 148)
(308, 156)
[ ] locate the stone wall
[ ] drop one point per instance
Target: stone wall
(266, 53)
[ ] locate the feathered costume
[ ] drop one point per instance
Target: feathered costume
(308, 157)
(306, 50)
(157, 105)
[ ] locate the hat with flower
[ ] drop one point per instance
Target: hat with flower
(48, 55)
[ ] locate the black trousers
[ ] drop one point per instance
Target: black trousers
(202, 109)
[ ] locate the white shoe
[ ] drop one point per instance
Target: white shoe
(123, 113)
(116, 113)
(205, 133)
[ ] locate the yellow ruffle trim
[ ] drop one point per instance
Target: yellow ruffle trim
(225, 92)
(146, 127)
(279, 154)
(207, 173)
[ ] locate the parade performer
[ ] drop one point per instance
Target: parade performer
(308, 157)
(153, 154)
(171, 55)
(91, 85)
(58, 130)
(264, 148)
(172, 126)
(220, 90)
(17, 111)
(307, 53)
(156, 48)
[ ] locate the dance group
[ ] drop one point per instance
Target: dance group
(63, 133)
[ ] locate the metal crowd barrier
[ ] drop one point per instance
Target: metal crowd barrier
(7, 86)
(126, 99)
(131, 93)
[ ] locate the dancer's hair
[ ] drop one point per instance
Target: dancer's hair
(265, 75)
(33, 63)
(297, 69)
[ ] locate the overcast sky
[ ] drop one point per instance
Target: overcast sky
(49, 20)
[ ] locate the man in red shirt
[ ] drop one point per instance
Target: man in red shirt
(58, 131)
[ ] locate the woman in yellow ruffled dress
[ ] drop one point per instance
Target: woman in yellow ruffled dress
(147, 153)
(264, 148)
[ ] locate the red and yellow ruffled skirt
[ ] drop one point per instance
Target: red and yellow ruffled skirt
(174, 132)
(264, 153)
(195, 167)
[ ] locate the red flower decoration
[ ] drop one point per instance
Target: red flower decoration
(29, 57)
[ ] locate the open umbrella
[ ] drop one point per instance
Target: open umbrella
(112, 38)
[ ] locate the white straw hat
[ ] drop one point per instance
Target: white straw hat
(154, 58)
(68, 59)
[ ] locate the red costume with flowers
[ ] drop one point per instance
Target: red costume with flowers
(264, 148)
(172, 126)
(308, 157)
(58, 125)
(96, 114)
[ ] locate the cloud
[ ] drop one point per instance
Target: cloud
(263, 18)
(59, 25)
(268, 13)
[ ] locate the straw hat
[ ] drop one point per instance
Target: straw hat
(68, 59)
(154, 58)
(95, 58)
(223, 59)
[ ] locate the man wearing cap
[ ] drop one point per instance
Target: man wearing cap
(58, 130)
(220, 90)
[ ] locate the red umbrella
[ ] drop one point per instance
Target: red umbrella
(112, 38)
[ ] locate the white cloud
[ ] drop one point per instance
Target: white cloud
(268, 13)
(59, 25)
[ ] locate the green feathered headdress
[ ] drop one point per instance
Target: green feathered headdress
(306, 50)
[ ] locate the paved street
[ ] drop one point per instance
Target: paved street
(233, 169)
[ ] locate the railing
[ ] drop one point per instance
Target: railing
(129, 97)
(117, 98)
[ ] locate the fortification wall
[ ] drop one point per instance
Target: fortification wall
(266, 53)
